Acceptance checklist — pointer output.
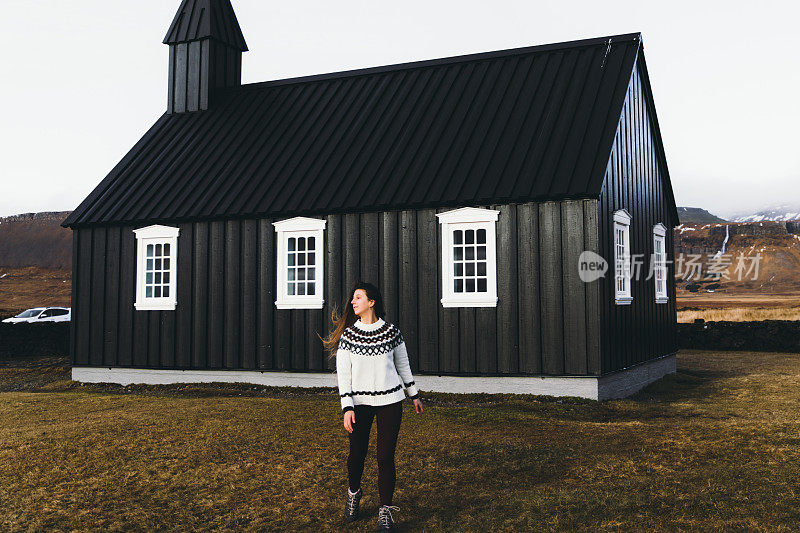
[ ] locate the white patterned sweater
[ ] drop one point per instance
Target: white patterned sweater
(372, 365)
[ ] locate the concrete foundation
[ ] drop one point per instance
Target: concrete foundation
(618, 384)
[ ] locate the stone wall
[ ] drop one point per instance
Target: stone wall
(758, 336)
(25, 340)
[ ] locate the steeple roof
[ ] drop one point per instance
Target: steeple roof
(202, 19)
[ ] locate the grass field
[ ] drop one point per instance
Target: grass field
(25, 287)
(739, 314)
(738, 307)
(718, 300)
(714, 447)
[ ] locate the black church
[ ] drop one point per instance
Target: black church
(513, 206)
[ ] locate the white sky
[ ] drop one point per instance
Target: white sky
(82, 80)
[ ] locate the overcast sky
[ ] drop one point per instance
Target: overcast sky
(82, 80)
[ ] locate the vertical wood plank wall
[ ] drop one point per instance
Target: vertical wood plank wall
(642, 330)
(547, 320)
(196, 69)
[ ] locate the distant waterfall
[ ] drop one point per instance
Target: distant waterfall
(725, 242)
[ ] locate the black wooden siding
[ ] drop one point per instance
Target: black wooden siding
(205, 53)
(546, 322)
(196, 70)
(635, 181)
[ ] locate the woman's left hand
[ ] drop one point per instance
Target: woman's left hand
(417, 406)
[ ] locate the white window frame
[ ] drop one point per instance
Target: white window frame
(469, 218)
(156, 235)
(300, 227)
(622, 276)
(659, 263)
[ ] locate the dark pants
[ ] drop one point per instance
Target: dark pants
(389, 417)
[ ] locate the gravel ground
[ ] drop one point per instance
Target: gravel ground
(34, 373)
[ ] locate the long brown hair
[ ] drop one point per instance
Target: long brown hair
(349, 317)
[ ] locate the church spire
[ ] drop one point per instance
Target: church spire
(205, 53)
(201, 19)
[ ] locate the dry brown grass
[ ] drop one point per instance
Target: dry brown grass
(740, 314)
(703, 300)
(26, 287)
(715, 447)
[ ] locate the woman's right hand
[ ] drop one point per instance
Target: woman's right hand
(349, 420)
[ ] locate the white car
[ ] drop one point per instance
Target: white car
(39, 315)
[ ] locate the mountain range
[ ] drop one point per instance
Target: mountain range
(751, 257)
(697, 215)
(36, 239)
(779, 213)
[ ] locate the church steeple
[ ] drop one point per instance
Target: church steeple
(205, 53)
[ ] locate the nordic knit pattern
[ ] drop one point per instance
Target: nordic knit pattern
(372, 365)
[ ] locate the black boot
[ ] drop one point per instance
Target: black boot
(351, 507)
(385, 521)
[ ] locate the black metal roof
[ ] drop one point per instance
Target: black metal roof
(201, 19)
(509, 126)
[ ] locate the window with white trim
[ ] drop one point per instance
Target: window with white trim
(156, 269)
(622, 257)
(469, 257)
(300, 263)
(659, 262)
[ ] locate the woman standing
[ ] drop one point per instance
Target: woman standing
(372, 369)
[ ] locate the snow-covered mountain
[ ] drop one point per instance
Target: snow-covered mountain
(778, 212)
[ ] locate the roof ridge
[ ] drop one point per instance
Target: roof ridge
(450, 60)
